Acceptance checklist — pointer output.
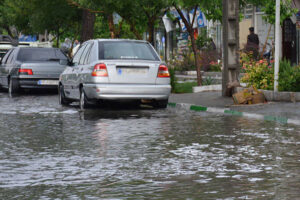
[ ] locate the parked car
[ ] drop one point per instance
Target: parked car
(6, 43)
(31, 67)
(114, 69)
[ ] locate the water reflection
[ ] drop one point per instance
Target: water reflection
(143, 154)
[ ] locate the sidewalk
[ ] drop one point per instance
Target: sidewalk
(277, 110)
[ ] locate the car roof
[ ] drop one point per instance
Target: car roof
(28, 47)
(120, 40)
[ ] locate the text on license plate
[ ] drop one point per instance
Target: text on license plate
(132, 70)
(47, 82)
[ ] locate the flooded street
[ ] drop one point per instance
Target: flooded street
(52, 152)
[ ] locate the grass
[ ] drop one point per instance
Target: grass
(186, 87)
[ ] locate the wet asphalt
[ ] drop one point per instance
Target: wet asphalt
(48, 151)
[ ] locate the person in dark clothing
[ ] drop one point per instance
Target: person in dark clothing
(253, 43)
(212, 44)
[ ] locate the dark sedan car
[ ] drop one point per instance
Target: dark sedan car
(31, 67)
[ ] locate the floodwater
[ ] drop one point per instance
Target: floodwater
(53, 152)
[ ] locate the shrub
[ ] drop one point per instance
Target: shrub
(184, 61)
(257, 73)
(261, 75)
(289, 77)
(215, 66)
(172, 77)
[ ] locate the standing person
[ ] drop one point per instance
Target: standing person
(212, 44)
(253, 43)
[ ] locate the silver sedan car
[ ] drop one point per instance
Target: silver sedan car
(114, 69)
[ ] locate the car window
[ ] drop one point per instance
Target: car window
(10, 57)
(4, 59)
(40, 54)
(126, 50)
(83, 55)
(88, 55)
(77, 56)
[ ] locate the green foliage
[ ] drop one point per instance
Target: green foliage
(173, 78)
(286, 10)
(184, 61)
(215, 66)
(186, 87)
(203, 41)
(36, 16)
(257, 73)
(101, 29)
(289, 77)
(261, 75)
(207, 81)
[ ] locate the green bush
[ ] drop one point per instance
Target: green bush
(257, 73)
(260, 74)
(172, 77)
(289, 77)
(186, 87)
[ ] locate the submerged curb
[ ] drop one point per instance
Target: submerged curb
(198, 108)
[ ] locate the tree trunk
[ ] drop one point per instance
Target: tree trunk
(151, 31)
(9, 31)
(88, 22)
(197, 58)
(111, 25)
(190, 30)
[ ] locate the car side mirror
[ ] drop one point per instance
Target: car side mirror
(70, 62)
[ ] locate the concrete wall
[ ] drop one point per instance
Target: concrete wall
(244, 31)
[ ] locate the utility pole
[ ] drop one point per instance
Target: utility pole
(277, 45)
(230, 46)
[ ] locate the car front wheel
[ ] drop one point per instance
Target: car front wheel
(61, 95)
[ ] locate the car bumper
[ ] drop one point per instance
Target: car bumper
(34, 83)
(126, 91)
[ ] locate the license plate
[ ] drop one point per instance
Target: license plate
(132, 71)
(47, 82)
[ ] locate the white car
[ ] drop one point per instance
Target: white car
(114, 69)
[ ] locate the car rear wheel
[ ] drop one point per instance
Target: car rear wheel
(83, 101)
(160, 103)
(61, 95)
(13, 86)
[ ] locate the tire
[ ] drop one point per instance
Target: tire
(160, 103)
(13, 86)
(83, 101)
(61, 96)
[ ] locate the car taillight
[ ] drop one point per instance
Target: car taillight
(25, 72)
(163, 72)
(100, 70)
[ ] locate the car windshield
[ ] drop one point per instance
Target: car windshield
(40, 54)
(126, 50)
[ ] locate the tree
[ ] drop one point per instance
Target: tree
(36, 16)
(139, 15)
(152, 12)
(286, 10)
(88, 22)
(180, 6)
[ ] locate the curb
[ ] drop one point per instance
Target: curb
(197, 108)
(207, 88)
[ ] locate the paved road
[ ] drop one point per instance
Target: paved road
(53, 152)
